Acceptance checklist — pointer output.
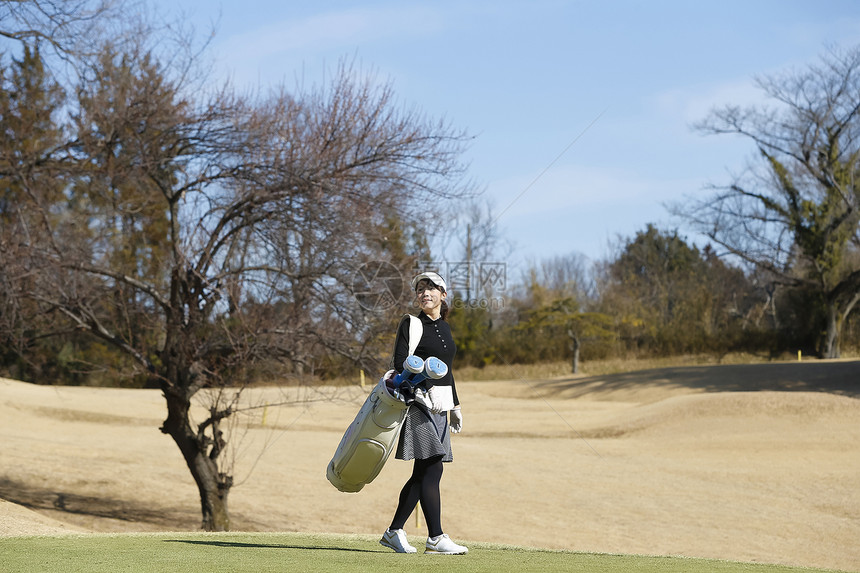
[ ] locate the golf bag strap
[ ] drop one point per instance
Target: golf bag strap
(416, 330)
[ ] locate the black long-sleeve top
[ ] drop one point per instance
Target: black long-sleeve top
(436, 340)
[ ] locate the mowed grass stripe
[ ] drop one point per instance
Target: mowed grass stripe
(265, 552)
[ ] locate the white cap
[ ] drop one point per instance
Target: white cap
(432, 277)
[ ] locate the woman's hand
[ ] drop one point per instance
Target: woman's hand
(456, 420)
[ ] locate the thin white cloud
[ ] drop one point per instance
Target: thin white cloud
(692, 104)
(575, 187)
(586, 210)
(330, 31)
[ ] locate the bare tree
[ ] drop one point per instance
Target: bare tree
(201, 233)
(568, 275)
(471, 243)
(65, 25)
(796, 214)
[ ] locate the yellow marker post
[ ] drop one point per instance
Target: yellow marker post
(361, 372)
(798, 355)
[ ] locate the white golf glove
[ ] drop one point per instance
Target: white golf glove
(424, 398)
(456, 420)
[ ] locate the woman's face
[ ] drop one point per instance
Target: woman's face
(429, 297)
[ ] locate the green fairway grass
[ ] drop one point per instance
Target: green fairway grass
(284, 552)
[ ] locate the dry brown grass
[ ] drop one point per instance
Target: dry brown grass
(743, 462)
(562, 368)
(548, 370)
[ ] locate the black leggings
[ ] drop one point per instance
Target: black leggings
(422, 486)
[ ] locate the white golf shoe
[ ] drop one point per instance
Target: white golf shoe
(442, 544)
(396, 540)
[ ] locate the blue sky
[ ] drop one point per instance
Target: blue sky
(616, 84)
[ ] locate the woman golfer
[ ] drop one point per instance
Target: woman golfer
(425, 436)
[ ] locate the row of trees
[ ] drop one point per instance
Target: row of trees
(659, 296)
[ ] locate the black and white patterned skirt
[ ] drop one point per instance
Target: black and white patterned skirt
(424, 435)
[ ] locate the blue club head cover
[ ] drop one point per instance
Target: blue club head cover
(435, 368)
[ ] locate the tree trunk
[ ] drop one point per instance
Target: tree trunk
(830, 339)
(213, 486)
(836, 317)
(574, 347)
